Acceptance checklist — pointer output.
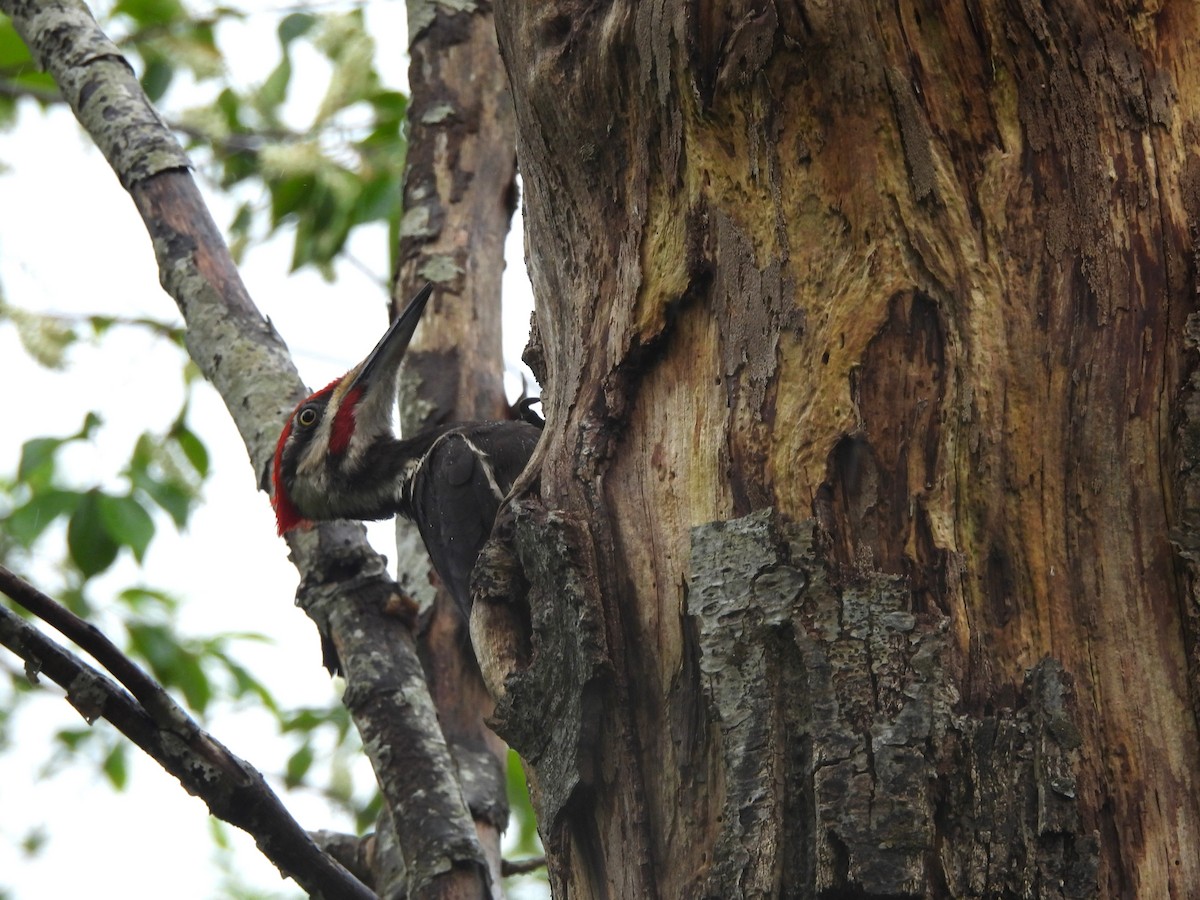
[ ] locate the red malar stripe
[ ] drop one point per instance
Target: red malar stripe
(342, 428)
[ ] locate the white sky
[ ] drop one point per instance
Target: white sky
(71, 242)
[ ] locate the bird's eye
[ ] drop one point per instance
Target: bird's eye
(307, 417)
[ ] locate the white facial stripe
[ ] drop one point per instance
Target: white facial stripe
(372, 418)
(360, 439)
(310, 462)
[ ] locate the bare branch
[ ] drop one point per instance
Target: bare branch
(344, 583)
(233, 790)
(358, 854)
(149, 693)
(510, 867)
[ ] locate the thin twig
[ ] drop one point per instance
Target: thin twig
(509, 867)
(148, 692)
(233, 789)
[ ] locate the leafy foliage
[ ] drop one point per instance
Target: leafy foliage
(163, 470)
(312, 165)
(319, 174)
(81, 529)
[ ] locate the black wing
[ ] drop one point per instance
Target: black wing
(457, 492)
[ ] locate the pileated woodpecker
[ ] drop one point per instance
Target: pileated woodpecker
(337, 458)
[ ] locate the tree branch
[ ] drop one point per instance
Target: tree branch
(233, 790)
(149, 693)
(358, 854)
(460, 123)
(510, 867)
(344, 583)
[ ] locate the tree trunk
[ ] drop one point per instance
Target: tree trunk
(871, 423)
(459, 197)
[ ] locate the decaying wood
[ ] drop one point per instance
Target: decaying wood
(919, 274)
(459, 196)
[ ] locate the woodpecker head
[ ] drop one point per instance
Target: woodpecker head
(323, 462)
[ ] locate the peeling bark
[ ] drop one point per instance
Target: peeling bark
(919, 273)
(565, 656)
(841, 738)
(459, 196)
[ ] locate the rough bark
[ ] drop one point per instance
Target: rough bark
(913, 278)
(459, 196)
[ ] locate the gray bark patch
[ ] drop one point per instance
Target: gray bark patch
(842, 747)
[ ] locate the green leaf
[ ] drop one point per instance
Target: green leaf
(394, 103)
(298, 765)
(151, 12)
(528, 841)
(90, 423)
(157, 77)
(37, 459)
(288, 195)
(378, 200)
(239, 167)
(294, 25)
(101, 324)
(171, 663)
(303, 251)
(274, 90)
(172, 497)
(37, 455)
(13, 52)
(33, 841)
(229, 104)
(144, 451)
(91, 546)
(73, 738)
(115, 767)
(367, 816)
(219, 833)
(304, 720)
(244, 220)
(37, 81)
(156, 645)
(74, 599)
(193, 448)
(140, 599)
(191, 679)
(26, 523)
(127, 522)
(245, 684)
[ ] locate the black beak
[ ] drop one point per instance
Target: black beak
(385, 358)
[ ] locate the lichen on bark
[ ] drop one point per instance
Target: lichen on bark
(841, 732)
(96, 80)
